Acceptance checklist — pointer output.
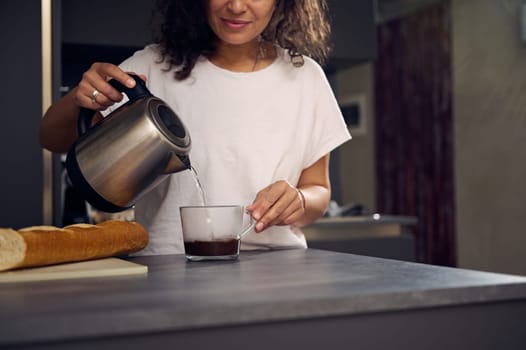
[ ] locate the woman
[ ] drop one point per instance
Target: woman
(242, 76)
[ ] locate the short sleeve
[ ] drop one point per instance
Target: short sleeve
(328, 128)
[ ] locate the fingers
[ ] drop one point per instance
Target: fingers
(277, 204)
(94, 92)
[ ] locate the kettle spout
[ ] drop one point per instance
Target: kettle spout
(185, 160)
(177, 162)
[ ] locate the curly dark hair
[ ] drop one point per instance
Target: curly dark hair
(299, 26)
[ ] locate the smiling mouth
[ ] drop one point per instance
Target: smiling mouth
(235, 24)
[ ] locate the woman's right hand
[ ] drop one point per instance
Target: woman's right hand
(94, 92)
(58, 128)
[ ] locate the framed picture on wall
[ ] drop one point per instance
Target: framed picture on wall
(353, 110)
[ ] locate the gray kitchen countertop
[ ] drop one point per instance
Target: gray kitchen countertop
(260, 287)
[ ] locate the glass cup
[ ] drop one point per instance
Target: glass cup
(213, 232)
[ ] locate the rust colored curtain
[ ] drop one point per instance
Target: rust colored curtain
(413, 132)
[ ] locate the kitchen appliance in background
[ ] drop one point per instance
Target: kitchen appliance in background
(129, 152)
(349, 209)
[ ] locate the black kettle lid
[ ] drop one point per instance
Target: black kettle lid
(170, 124)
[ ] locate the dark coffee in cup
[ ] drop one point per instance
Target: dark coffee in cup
(226, 247)
(213, 232)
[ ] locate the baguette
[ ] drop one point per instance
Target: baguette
(47, 245)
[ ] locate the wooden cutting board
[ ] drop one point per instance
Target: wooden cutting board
(83, 269)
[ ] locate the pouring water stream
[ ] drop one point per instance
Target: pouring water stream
(202, 196)
(203, 199)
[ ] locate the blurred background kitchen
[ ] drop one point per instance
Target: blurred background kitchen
(432, 90)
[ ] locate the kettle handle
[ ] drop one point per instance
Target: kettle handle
(138, 91)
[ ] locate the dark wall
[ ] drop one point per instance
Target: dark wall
(21, 101)
(114, 34)
(116, 22)
(353, 34)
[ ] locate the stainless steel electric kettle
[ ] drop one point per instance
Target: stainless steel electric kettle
(134, 148)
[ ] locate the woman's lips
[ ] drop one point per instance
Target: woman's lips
(235, 24)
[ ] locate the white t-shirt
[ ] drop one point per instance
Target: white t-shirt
(248, 130)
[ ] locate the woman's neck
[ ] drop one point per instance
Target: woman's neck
(249, 57)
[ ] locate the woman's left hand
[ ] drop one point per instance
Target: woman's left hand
(277, 204)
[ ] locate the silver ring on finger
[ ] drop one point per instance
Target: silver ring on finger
(94, 96)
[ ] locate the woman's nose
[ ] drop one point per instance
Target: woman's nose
(237, 6)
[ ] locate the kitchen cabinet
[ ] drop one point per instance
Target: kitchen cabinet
(297, 299)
